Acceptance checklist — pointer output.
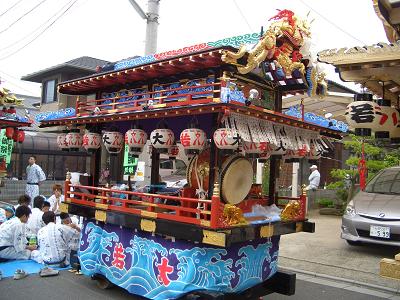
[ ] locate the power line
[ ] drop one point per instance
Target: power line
(10, 8)
(25, 14)
(18, 86)
(43, 31)
(332, 23)
(243, 16)
(37, 28)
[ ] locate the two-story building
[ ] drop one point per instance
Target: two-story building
(42, 143)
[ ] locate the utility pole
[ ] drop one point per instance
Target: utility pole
(152, 23)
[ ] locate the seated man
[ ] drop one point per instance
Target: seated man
(66, 219)
(56, 199)
(24, 200)
(46, 206)
(54, 242)
(10, 212)
(72, 222)
(13, 236)
(35, 221)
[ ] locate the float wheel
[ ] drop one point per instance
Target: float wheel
(102, 282)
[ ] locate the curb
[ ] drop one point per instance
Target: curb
(338, 279)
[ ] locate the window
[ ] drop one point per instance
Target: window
(386, 182)
(180, 164)
(50, 91)
(166, 164)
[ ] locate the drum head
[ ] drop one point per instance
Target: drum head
(236, 178)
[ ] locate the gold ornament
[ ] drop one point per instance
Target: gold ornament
(291, 211)
(289, 31)
(233, 215)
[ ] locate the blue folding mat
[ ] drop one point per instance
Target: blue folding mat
(8, 268)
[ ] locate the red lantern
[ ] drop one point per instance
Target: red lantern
(162, 139)
(193, 140)
(15, 135)
(9, 132)
(136, 139)
(113, 141)
(21, 136)
(91, 141)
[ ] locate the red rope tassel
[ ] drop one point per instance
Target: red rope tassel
(362, 169)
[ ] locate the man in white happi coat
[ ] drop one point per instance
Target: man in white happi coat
(313, 185)
(54, 242)
(13, 236)
(34, 177)
(35, 221)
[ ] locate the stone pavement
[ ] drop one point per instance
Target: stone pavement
(325, 254)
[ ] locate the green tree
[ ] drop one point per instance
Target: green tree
(377, 157)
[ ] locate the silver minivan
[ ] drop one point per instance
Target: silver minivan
(373, 216)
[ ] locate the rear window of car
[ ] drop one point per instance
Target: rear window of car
(386, 182)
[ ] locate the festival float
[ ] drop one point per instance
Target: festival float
(10, 128)
(219, 237)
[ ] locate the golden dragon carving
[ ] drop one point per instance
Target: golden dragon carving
(281, 43)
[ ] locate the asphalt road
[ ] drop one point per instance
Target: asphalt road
(74, 287)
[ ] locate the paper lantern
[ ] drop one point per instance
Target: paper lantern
(173, 152)
(91, 141)
(162, 139)
(362, 114)
(113, 141)
(388, 119)
(62, 142)
(136, 139)
(9, 132)
(193, 140)
(74, 140)
(224, 139)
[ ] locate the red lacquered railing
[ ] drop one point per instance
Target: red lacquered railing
(161, 97)
(189, 210)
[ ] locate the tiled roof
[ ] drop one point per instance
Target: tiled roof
(85, 64)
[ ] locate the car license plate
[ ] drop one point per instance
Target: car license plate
(379, 231)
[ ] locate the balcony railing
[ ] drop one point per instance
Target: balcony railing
(131, 101)
(205, 213)
(187, 210)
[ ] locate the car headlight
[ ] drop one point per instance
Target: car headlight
(350, 210)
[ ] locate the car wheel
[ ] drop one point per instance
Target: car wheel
(353, 243)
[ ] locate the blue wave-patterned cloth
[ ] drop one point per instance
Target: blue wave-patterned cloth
(161, 269)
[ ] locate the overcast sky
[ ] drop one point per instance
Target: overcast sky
(112, 30)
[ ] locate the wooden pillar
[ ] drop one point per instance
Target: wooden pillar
(213, 158)
(274, 161)
(155, 168)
